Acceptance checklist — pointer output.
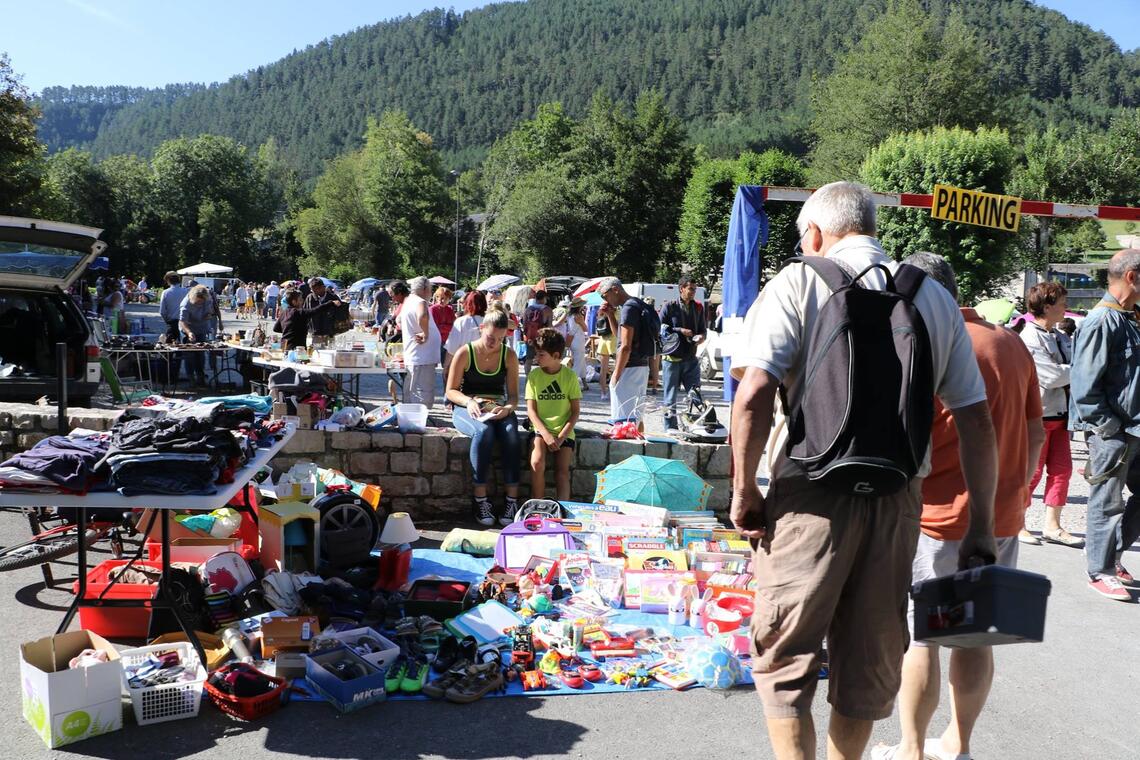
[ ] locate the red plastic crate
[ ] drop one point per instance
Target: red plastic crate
(116, 622)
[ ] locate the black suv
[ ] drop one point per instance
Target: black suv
(39, 261)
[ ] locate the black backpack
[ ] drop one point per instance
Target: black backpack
(649, 341)
(862, 425)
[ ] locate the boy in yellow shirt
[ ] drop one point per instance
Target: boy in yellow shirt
(553, 400)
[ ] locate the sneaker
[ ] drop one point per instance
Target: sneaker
(512, 509)
(1110, 586)
(484, 514)
(1124, 576)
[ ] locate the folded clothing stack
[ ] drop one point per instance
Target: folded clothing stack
(57, 464)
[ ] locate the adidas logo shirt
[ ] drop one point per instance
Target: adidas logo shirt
(552, 395)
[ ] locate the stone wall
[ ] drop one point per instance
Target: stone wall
(24, 425)
(428, 475)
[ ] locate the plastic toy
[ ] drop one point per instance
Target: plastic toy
(572, 678)
(551, 662)
(617, 646)
(533, 680)
(714, 666)
(522, 645)
(630, 676)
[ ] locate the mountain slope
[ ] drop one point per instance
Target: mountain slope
(737, 71)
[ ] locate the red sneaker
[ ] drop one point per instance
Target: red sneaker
(1124, 576)
(1110, 586)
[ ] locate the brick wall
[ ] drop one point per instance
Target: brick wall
(428, 475)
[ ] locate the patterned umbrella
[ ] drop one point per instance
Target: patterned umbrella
(655, 482)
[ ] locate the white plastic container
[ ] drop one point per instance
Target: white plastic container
(412, 418)
(168, 701)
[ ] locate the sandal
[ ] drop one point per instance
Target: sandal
(479, 681)
(407, 627)
(1062, 537)
(489, 654)
(427, 625)
(468, 648)
(438, 687)
(1028, 538)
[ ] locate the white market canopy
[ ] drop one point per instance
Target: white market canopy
(206, 270)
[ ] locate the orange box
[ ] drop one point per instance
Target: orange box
(288, 634)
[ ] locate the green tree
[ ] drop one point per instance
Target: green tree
(984, 259)
(21, 153)
(604, 193)
(707, 206)
(211, 195)
(382, 210)
(77, 189)
(1085, 235)
(903, 75)
(135, 233)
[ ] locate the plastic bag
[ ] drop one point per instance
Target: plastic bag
(349, 416)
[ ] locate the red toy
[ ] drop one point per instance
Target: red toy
(572, 678)
(533, 680)
(617, 646)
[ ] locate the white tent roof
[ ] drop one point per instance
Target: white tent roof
(205, 269)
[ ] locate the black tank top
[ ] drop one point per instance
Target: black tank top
(476, 383)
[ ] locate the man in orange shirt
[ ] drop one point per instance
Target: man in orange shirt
(1015, 407)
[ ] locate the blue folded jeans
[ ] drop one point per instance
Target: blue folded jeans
(1113, 522)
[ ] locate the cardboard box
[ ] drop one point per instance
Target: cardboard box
(350, 695)
(382, 659)
(287, 634)
(440, 599)
(279, 410)
(64, 705)
(290, 665)
(216, 650)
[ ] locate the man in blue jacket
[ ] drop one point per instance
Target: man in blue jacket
(1105, 403)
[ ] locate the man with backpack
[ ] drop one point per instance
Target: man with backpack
(536, 316)
(639, 330)
(856, 346)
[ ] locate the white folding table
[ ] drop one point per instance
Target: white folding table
(164, 504)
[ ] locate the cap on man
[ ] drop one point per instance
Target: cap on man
(830, 563)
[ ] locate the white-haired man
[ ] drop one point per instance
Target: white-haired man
(636, 348)
(421, 344)
(828, 563)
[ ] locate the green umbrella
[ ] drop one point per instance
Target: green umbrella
(655, 482)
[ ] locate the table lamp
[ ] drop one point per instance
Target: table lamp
(396, 551)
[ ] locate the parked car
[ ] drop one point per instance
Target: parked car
(709, 354)
(39, 261)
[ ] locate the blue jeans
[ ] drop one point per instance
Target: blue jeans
(687, 373)
(483, 436)
(1113, 522)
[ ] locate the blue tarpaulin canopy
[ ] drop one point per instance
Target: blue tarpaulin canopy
(747, 231)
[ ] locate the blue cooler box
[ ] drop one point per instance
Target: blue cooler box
(983, 606)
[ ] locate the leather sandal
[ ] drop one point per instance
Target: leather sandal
(479, 681)
(439, 686)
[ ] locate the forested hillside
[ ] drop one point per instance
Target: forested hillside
(737, 73)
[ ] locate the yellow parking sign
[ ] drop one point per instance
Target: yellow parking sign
(955, 204)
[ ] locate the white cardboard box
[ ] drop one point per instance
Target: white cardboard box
(65, 705)
(382, 659)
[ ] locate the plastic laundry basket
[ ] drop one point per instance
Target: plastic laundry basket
(168, 701)
(412, 418)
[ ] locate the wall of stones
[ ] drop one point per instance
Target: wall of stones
(428, 475)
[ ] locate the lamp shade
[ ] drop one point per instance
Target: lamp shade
(399, 530)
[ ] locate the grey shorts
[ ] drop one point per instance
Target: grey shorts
(935, 559)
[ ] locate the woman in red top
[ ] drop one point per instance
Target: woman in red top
(443, 314)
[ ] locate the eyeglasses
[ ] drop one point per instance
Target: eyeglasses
(799, 249)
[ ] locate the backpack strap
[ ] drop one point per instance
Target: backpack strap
(834, 275)
(908, 279)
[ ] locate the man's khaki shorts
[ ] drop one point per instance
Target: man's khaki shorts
(836, 566)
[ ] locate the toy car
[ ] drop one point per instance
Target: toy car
(522, 645)
(533, 680)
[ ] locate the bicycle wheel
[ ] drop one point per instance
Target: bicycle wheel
(45, 548)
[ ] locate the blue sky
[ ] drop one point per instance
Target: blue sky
(155, 42)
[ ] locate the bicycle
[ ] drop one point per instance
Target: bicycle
(62, 540)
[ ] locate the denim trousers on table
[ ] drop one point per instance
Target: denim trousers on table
(483, 436)
(687, 373)
(1113, 522)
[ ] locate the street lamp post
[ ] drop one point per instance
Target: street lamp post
(455, 173)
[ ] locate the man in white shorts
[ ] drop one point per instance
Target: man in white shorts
(1014, 399)
(635, 350)
(421, 344)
